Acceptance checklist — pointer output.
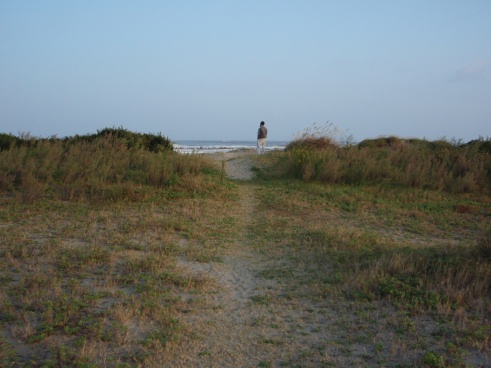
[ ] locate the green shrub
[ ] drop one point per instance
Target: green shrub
(110, 165)
(438, 165)
(6, 141)
(148, 142)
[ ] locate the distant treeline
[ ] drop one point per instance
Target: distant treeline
(149, 142)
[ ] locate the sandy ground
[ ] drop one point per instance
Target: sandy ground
(248, 320)
(238, 164)
(229, 328)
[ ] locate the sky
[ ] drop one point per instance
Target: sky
(213, 70)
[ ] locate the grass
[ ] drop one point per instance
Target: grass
(100, 282)
(90, 233)
(101, 167)
(368, 235)
(89, 249)
(451, 167)
(406, 247)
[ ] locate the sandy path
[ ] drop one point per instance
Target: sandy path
(224, 324)
(242, 322)
(238, 164)
(249, 320)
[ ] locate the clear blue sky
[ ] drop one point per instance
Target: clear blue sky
(215, 69)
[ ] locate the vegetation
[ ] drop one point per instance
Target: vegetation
(389, 240)
(148, 142)
(88, 238)
(110, 165)
(439, 165)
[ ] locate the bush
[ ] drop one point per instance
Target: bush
(148, 142)
(438, 165)
(6, 141)
(312, 143)
(381, 142)
(113, 164)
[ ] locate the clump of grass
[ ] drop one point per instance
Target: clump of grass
(453, 167)
(112, 165)
(316, 137)
(444, 279)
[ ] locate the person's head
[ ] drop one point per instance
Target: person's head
(262, 123)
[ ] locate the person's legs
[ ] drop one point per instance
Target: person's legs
(261, 144)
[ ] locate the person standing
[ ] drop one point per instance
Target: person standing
(262, 134)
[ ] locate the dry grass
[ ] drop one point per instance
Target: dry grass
(104, 167)
(411, 249)
(446, 166)
(90, 234)
(98, 284)
(365, 275)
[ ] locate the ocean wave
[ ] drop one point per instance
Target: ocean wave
(195, 147)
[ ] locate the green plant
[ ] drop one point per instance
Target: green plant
(438, 165)
(379, 347)
(114, 164)
(432, 359)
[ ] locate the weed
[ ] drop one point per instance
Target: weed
(261, 299)
(432, 359)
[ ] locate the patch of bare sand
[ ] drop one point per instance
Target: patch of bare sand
(237, 164)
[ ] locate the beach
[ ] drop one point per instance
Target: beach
(219, 146)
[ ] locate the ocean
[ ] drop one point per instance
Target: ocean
(187, 146)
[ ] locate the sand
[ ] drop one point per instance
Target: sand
(249, 320)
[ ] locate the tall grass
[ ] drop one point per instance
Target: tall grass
(439, 165)
(110, 165)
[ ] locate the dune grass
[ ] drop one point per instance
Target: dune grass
(90, 233)
(440, 165)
